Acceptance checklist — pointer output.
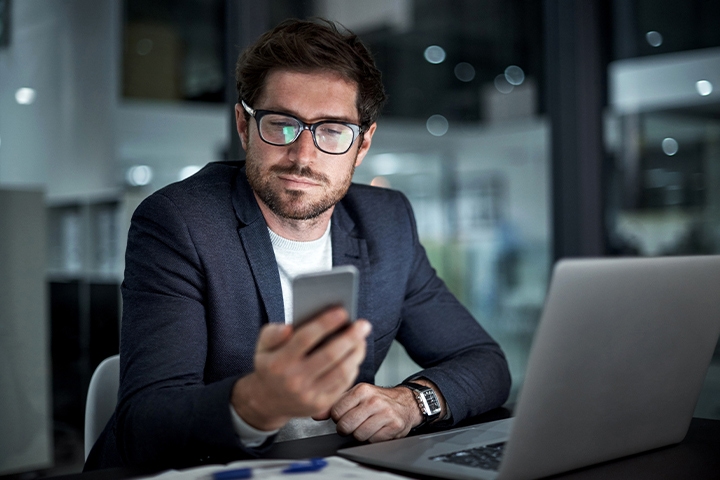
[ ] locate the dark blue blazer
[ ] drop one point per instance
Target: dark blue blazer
(200, 282)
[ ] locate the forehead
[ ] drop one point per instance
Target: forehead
(310, 95)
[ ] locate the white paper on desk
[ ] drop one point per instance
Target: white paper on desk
(336, 468)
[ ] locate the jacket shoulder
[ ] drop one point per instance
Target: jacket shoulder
(367, 196)
(378, 210)
(213, 179)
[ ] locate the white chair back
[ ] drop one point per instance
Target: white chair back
(101, 399)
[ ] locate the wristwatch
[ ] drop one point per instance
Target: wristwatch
(427, 401)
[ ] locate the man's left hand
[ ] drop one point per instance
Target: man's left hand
(375, 413)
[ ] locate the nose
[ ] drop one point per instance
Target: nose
(303, 150)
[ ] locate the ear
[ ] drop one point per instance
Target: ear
(365, 146)
(242, 125)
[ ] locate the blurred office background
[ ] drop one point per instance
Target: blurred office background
(522, 131)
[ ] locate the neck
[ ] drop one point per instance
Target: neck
(296, 230)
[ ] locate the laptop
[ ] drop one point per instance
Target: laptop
(616, 367)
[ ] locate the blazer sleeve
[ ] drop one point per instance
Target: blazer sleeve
(166, 414)
(441, 336)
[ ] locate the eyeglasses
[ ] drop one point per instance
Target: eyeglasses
(281, 129)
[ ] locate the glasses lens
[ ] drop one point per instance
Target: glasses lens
(333, 137)
(279, 129)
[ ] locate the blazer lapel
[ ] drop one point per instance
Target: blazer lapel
(349, 249)
(258, 249)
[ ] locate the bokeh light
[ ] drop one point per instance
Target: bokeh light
(670, 146)
(464, 72)
(437, 125)
(654, 38)
(189, 171)
(514, 75)
(25, 96)
(704, 87)
(502, 85)
(435, 54)
(139, 175)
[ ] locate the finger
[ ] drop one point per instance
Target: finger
(388, 433)
(322, 415)
(357, 406)
(345, 403)
(312, 332)
(272, 336)
(335, 383)
(381, 421)
(378, 426)
(347, 346)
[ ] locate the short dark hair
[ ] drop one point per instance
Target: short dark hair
(306, 45)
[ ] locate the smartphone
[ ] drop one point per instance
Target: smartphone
(315, 292)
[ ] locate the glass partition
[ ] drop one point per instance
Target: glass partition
(663, 139)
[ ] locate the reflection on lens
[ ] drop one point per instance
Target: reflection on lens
(288, 134)
(437, 125)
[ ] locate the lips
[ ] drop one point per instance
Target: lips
(298, 174)
(298, 181)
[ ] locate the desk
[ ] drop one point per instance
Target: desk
(697, 457)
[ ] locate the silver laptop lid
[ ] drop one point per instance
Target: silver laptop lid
(617, 362)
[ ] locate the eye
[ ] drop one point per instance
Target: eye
(333, 129)
(281, 123)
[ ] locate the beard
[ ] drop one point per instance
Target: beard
(294, 204)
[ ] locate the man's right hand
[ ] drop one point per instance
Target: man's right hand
(293, 380)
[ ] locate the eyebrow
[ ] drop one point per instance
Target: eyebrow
(322, 118)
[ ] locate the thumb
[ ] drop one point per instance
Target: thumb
(273, 335)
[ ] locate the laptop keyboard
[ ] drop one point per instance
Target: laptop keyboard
(486, 457)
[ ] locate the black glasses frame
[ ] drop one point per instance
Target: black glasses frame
(258, 114)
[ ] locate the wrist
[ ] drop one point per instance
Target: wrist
(428, 401)
(249, 404)
(407, 397)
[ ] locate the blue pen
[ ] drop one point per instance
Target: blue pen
(302, 466)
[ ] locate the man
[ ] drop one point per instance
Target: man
(210, 367)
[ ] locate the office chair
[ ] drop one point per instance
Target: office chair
(101, 399)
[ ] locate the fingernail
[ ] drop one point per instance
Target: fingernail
(365, 327)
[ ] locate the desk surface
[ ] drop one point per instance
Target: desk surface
(696, 457)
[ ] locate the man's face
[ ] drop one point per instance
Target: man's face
(298, 181)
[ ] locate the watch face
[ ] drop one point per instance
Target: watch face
(432, 405)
